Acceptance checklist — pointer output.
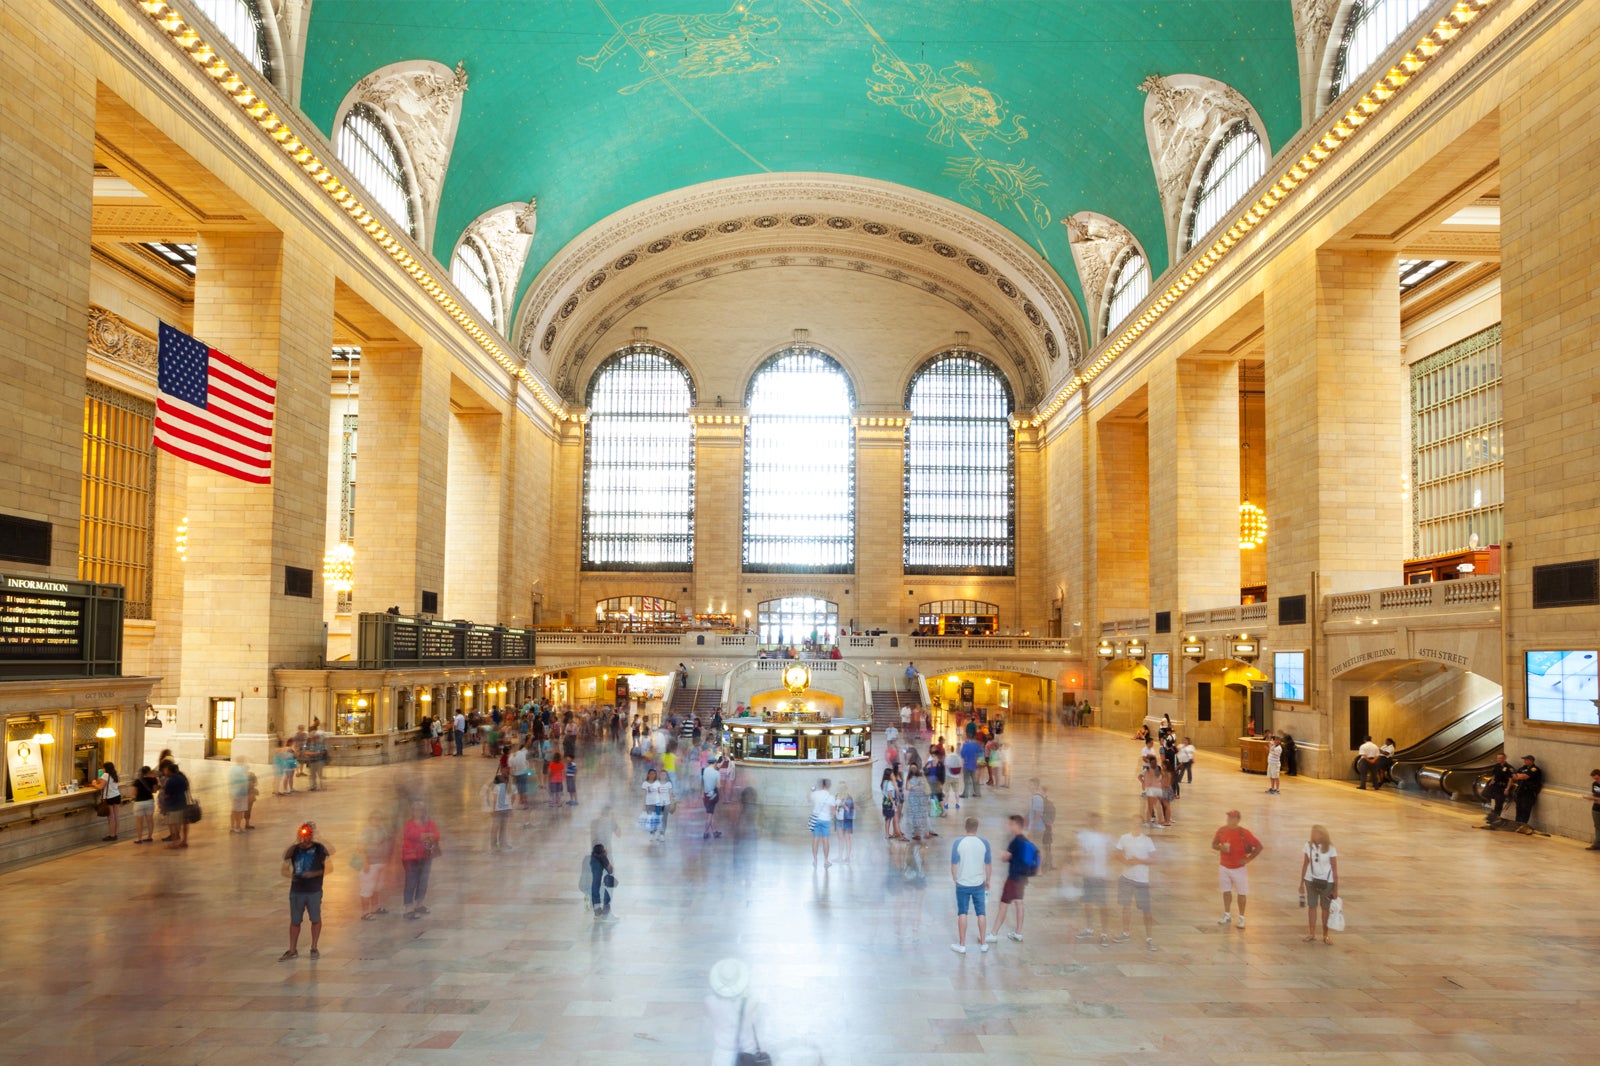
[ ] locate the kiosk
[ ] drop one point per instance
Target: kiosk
(783, 754)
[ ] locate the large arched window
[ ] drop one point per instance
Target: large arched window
(367, 149)
(638, 464)
(1370, 27)
(793, 620)
(1236, 163)
(470, 271)
(799, 466)
(241, 23)
(959, 494)
(1130, 284)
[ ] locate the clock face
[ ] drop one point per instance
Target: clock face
(794, 677)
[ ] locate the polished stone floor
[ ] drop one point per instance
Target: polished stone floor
(1462, 946)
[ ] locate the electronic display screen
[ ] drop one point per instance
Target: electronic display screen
(1563, 686)
(1289, 675)
(785, 748)
(1161, 671)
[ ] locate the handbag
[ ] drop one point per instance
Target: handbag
(609, 881)
(1336, 915)
(749, 1058)
(431, 848)
(102, 808)
(191, 811)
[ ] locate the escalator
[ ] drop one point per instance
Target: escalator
(1467, 742)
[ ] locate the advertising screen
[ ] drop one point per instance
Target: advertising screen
(1289, 675)
(1563, 686)
(1161, 671)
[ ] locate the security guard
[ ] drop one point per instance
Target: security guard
(1499, 786)
(1529, 780)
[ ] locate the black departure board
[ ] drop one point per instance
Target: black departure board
(53, 628)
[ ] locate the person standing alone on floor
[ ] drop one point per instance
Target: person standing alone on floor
(304, 864)
(1237, 847)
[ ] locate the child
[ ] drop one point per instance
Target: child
(1274, 761)
(558, 773)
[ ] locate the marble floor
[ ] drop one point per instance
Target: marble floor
(1462, 946)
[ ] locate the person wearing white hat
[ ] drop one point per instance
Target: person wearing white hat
(732, 1015)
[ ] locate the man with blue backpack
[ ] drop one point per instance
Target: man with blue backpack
(1022, 862)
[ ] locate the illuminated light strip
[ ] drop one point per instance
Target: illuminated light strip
(257, 110)
(1319, 152)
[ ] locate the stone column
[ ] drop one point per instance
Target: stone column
(1194, 510)
(473, 518)
(565, 518)
(1028, 541)
(1550, 292)
(403, 477)
(719, 511)
(47, 170)
(880, 524)
(1122, 521)
(268, 304)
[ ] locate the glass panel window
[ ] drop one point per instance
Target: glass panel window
(799, 467)
(1130, 284)
(959, 487)
(181, 256)
(240, 22)
(636, 612)
(638, 464)
(368, 150)
(1237, 163)
(1457, 461)
(1372, 26)
(1414, 272)
(797, 620)
(117, 512)
(470, 271)
(30, 769)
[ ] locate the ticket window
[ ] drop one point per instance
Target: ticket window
(94, 743)
(353, 713)
(30, 771)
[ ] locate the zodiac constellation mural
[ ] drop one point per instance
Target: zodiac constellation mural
(949, 103)
(682, 47)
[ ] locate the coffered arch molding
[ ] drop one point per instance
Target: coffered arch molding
(806, 221)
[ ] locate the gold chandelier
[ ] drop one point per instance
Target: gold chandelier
(1252, 526)
(339, 567)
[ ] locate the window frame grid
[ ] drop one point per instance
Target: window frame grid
(805, 483)
(1371, 28)
(612, 538)
(1241, 142)
(361, 126)
(795, 623)
(974, 496)
(479, 281)
(243, 26)
(117, 504)
(1130, 285)
(1457, 408)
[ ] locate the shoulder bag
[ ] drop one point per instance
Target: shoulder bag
(191, 808)
(749, 1058)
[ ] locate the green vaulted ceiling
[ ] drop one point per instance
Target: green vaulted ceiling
(1027, 110)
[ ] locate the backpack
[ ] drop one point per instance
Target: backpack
(1029, 857)
(1049, 812)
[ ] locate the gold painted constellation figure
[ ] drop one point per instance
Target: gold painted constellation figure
(1008, 185)
(950, 103)
(691, 46)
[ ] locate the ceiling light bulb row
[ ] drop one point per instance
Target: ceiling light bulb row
(1322, 149)
(260, 112)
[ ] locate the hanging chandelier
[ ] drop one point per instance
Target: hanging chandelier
(339, 567)
(1252, 526)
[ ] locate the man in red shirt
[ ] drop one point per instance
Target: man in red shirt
(1237, 847)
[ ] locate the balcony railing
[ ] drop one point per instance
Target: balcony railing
(855, 646)
(1474, 593)
(1239, 616)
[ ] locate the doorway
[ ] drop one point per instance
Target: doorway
(219, 739)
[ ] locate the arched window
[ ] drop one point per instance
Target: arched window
(640, 612)
(638, 464)
(1130, 284)
(241, 23)
(1371, 26)
(470, 271)
(799, 467)
(794, 620)
(1236, 163)
(367, 149)
(960, 485)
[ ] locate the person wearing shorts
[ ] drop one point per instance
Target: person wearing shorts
(1133, 887)
(1236, 848)
(970, 869)
(304, 864)
(558, 774)
(710, 792)
(823, 805)
(1016, 882)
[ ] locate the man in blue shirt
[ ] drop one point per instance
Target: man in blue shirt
(971, 752)
(970, 867)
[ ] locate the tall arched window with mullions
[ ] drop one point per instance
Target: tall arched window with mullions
(800, 467)
(367, 146)
(1237, 161)
(638, 464)
(960, 496)
(242, 23)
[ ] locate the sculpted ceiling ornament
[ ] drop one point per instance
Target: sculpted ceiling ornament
(1182, 114)
(112, 339)
(423, 101)
(1098, 242)
(1313, 23)
(505, 233)
(914, 232)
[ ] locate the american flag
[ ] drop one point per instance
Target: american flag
(213, 410)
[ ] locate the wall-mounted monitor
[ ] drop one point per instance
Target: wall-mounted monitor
(1289, 676)
(1563, 686)
(785, 747)
(1161, 671)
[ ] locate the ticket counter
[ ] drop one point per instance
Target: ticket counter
(782, 757)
